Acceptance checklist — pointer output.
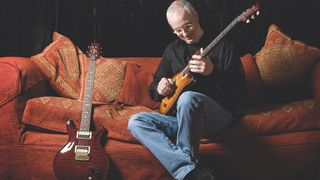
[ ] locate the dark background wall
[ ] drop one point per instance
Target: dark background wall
(139, 28)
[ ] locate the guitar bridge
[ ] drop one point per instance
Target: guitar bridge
(82, 153)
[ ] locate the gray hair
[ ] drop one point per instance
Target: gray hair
(177, 5)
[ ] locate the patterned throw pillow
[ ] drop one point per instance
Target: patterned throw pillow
(65, 66)
(62, 63)
(284, 63)
(109, 80)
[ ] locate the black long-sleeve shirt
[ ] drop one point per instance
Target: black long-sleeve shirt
(225, 84)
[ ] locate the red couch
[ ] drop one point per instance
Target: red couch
(277, 134)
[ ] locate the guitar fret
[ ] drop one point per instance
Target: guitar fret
(87, 104)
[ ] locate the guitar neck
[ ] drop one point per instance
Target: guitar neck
(87, 103)
(213, 43)
(219, 37)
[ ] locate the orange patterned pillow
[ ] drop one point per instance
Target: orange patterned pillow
(284, 63)
(62, 63)
(65, 66)
(109, 80)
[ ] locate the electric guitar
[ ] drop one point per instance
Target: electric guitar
(184, 78)
(83, 156)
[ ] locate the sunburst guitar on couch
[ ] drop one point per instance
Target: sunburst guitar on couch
(83, 156)
(184, 78)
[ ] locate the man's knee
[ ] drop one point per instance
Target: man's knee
(134, 121)
(137, 120)
(188, 98)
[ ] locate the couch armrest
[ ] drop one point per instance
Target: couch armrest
(20, 80)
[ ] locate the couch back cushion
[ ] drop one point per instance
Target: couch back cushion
(254, 87)
(284, 65)
(139, 76)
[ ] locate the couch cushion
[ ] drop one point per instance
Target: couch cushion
(254, 86)
(62, 63)
(108, 82)
(284, 64)
(136, 87)
(65, 66)
(52, 113)
(265, 120)
(116, 122)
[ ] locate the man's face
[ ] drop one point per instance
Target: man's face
(185, 26)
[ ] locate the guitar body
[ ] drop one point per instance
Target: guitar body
(67, 167)
(181, 81)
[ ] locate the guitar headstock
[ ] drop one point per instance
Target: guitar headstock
(94, 51)
(250, 13)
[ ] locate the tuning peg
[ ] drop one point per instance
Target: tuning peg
(248, 21)
(257, 13)
(253, 16)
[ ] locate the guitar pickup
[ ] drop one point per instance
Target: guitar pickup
(84, 134)
(82, 152)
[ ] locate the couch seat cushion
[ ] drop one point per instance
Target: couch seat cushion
(52, 113)
(116, 122)
(290, 117)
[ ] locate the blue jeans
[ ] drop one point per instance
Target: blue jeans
(174, 141)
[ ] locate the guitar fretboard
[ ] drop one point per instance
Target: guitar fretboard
(87, 102)
(215, 41)
(220, 36)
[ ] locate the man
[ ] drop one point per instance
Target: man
(203, 109)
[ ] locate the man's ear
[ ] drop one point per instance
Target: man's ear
(196, 16)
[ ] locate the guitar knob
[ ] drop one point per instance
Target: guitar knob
(252, 16)
(248, 21)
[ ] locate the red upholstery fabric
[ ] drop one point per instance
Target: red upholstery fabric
(254, 85)
(52, 113)
(20, 80)
(136, 87)
(229, 160)
(116, 121)
(10, 82)
(290, 117)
